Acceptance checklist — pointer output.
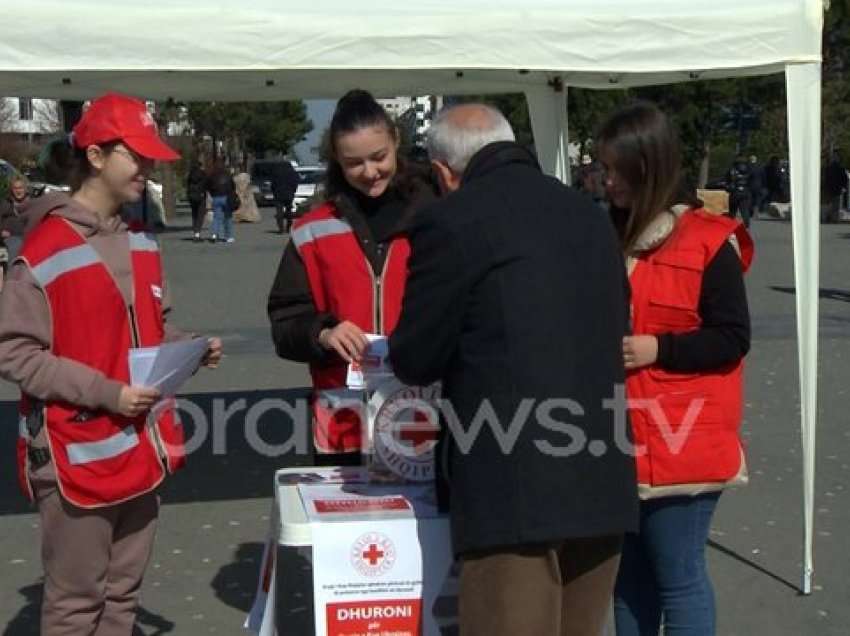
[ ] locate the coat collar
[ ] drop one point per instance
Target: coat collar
(659, 229)
(496, 155)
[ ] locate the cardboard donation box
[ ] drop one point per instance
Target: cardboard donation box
(349, 557)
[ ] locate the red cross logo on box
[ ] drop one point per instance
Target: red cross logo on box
(373, 554)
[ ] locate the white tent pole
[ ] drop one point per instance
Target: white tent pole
(547, 107)
(803, 87)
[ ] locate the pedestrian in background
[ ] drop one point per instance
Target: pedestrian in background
(285, 181)
(738, 180)
(773, 181)
(222, 190)
(12, 222)
(835, 185)
(758, 189)
(196, 192)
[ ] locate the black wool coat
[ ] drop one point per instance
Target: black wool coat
(518, 301)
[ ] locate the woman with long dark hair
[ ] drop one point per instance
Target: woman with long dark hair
(684, 362)
(343, 272)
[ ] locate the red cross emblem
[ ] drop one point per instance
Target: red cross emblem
(373, 554)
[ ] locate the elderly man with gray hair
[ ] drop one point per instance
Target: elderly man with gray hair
(517, 301)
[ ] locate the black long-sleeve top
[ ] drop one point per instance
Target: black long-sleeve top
(724, 336)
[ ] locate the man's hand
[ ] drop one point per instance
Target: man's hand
(347, 339)
(136, 400)
(639, 351)
(214, 353)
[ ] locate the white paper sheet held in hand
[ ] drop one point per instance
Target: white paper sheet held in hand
(375, 367)
(167, 366)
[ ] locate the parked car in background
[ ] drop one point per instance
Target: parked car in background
(7, 170)
(37, 185)
(311, 180)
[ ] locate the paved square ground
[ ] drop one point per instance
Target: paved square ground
(215, 513)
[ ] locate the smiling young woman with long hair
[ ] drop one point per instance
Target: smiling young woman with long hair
(343, 272)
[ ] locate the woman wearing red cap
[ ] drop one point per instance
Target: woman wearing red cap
(91, 450)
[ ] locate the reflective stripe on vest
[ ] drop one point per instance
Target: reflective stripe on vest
(83, 453)
(319, 229)
(143, 242)
(64, 261)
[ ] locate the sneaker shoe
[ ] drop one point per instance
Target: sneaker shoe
(213, 238)
(196, 237)
(231, 240)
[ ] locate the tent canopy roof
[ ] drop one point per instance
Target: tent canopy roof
(273, 49)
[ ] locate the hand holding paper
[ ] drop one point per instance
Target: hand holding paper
(347, 339)
(214, 354)
(168, 366)
(373, 367)
(135, 400)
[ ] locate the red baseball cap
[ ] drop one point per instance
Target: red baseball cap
(114, 117)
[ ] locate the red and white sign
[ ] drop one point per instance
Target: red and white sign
(375, 572)
(361, 505)
(332, 502)
(370, 577)
(366, 618)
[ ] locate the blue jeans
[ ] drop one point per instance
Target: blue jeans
(663, 572)
(222, 223)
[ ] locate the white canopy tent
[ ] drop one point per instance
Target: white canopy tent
(279, 49)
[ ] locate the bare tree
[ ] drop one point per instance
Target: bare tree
(7, 114)
(48, 116)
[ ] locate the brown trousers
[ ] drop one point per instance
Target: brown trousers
(546, 590)
(93, 561)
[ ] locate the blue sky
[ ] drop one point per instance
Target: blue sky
(320, 112)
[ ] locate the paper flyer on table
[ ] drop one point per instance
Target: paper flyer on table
(375, 366)
(167, 366)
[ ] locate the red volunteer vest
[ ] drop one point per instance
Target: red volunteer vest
(343, 283)
(685, 425)
(100, 458)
